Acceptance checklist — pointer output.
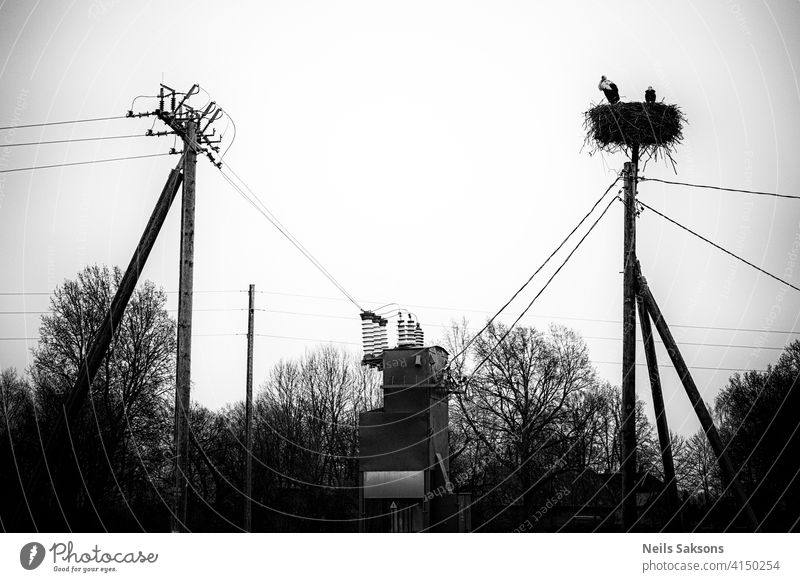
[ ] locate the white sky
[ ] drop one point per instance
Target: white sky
(428, 153)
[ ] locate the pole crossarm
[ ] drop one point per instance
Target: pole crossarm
(176, 112)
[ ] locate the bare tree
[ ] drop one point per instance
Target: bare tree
(697, 468)
(127, 416)
(306, 432)
(517, 404)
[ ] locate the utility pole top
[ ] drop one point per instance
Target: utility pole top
(176, 112)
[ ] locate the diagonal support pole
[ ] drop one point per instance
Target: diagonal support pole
(728, 474)
(56, 453)
(664, 440)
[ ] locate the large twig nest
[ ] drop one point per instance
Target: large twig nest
(656, 127)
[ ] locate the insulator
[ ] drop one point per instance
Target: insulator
(420, 336)
(161, 99)
(411, 331)
(401, 330)
(376, 335)
(373, 337)
(383, 335)
(366, 331)
(172, 102)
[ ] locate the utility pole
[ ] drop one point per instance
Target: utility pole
(58, 457)
(728, 474)
(628, 413)
(664, 439)
(192, 126)
(248, 415)
(184, 360)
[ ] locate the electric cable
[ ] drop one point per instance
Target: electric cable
(80, 139)
(264, 211)
(63, 122)
(82, 163)
(519, 317)
(536, 272)
(756, 192)
(715, 245)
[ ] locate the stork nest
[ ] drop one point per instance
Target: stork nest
(656, 127)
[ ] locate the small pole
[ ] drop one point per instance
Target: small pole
(248, 415)
(184, 359)
(661, 416)
(728, 474)
(628, 413)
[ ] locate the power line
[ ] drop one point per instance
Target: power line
(63, 122)
(202, 309)
(342, 342)
(308, 339)
(73, 140)
(436, 308)
(715, 245)
(83, 163)
(262, 208)
(711, 368)
(542, 266)
(15, 293)
(425, 324)
(699, 344)
(274, 220)
(557, 271)
(330, 341)
(643, 179)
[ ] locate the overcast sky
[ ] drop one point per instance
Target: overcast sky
(428, 153)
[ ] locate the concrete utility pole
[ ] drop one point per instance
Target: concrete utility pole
(248, 415)
(184, 360)
(628, 413)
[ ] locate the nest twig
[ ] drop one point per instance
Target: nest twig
(656, 127)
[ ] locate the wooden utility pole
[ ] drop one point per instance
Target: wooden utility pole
(248, 415)
(184, 360)
(628, 412)
(57, 454)
(664, 439)
(728, 474)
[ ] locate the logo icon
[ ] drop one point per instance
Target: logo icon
(31, 555)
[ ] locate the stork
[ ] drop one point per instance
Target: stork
(609, 89)
(650, 95)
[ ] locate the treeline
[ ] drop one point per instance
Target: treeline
(535, 423)
(534, 428)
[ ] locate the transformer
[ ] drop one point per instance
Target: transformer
(404, 452)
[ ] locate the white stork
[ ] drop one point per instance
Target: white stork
(609, 89)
